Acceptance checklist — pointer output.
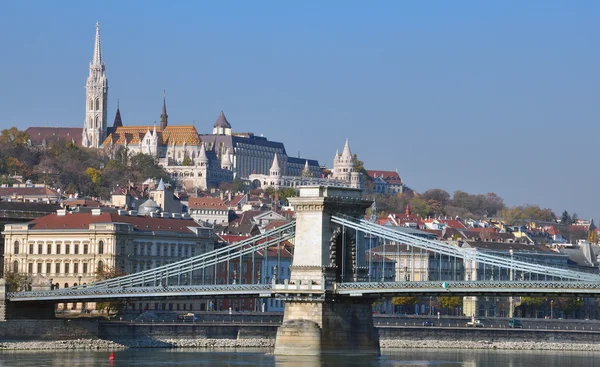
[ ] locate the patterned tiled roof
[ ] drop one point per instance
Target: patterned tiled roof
(170, 135)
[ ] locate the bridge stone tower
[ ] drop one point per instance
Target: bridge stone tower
(317, 321)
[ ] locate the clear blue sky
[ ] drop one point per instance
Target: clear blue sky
(473, 95)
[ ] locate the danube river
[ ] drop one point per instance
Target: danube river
(262, 357)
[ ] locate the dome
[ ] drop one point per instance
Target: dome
(147, 207)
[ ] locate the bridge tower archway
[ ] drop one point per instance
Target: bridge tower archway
(316, 320)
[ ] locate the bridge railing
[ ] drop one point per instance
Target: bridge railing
(457, 252)
(202, 261)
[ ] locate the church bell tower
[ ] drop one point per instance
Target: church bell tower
(96, 93)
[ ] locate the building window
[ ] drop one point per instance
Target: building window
(67, 268)
(97, 104)
(48, 268)
(40, 251)
(100, 266)
(85, 249)
(30, 248)
(76, 249)
(75, 268)
(57, 268)
(15, 266)
(30, 268)
(85, 269)
(100, 247)
(16, 249)
(67, 249)
(39, 268)
(48, 249)
(58, 248)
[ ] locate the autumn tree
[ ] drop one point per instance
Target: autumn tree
(407, 303)
(450, 303)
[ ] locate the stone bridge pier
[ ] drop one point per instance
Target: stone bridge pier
(23, 310)
(317, 321)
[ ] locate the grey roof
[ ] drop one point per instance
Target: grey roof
(222, 121)
(148, 206)
(161, 186)
(302, 161)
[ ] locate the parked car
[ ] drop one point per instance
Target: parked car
(513, 323)
(428, 323)
(190, 317)
(475, 323)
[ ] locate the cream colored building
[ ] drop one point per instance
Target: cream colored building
(66, 249)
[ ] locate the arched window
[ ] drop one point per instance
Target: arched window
(16, 249)
(15, 266)
(100, 247)
(100, 266)
(66, 285)
(91, 105)
(97, 123)
(56, 286)
(97, 104)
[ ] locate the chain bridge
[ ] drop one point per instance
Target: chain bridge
(334, 276)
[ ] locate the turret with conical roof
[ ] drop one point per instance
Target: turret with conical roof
(164, 118)
(118, 122)
(226, 160)
(275, 169)
(222, 126)
(343, 165)
(202, 159)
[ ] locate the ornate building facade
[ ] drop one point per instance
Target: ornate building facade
(343, 174)
(67, 249)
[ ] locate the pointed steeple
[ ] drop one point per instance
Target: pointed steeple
(161, 186)
(407, 211)
(306, 171)
(222, 121)
(226, 160)
(202, 155)
(346, 153)
(164, 118)
(97, 59)
(275, 167)
(118, 122)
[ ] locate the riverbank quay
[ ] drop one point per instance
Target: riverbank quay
(96, 334)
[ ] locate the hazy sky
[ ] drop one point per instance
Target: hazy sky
(483, 97)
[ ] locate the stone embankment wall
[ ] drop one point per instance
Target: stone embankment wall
(48, 329)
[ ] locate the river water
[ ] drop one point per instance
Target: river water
(263, 357)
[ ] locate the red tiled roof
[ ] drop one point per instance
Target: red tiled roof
(27, 191)
(236, 200)
(386, 175)
(453, 223)
(231, 239)
(37, 135)
(206, 203)
(142, 224)
(275, 224)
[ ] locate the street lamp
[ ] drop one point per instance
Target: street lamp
(430, 305)
(552, 309)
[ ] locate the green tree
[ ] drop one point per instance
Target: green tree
(15, 282)
(419, 207)
(565, 218)
(103, 273)
(570, 304)
(286, 192)
(187, 161)
(13, 136)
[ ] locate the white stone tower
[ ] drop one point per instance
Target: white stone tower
(343, 165)
(96, 101)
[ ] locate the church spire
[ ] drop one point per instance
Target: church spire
(164, 118)
(97, 59)
(118, 122)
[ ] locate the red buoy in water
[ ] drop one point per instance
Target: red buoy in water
(112, 356)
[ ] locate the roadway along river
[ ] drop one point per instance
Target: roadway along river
(262, 357)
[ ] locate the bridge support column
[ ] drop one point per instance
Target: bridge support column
(23, 310)
(316, 320)
(342, 326)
